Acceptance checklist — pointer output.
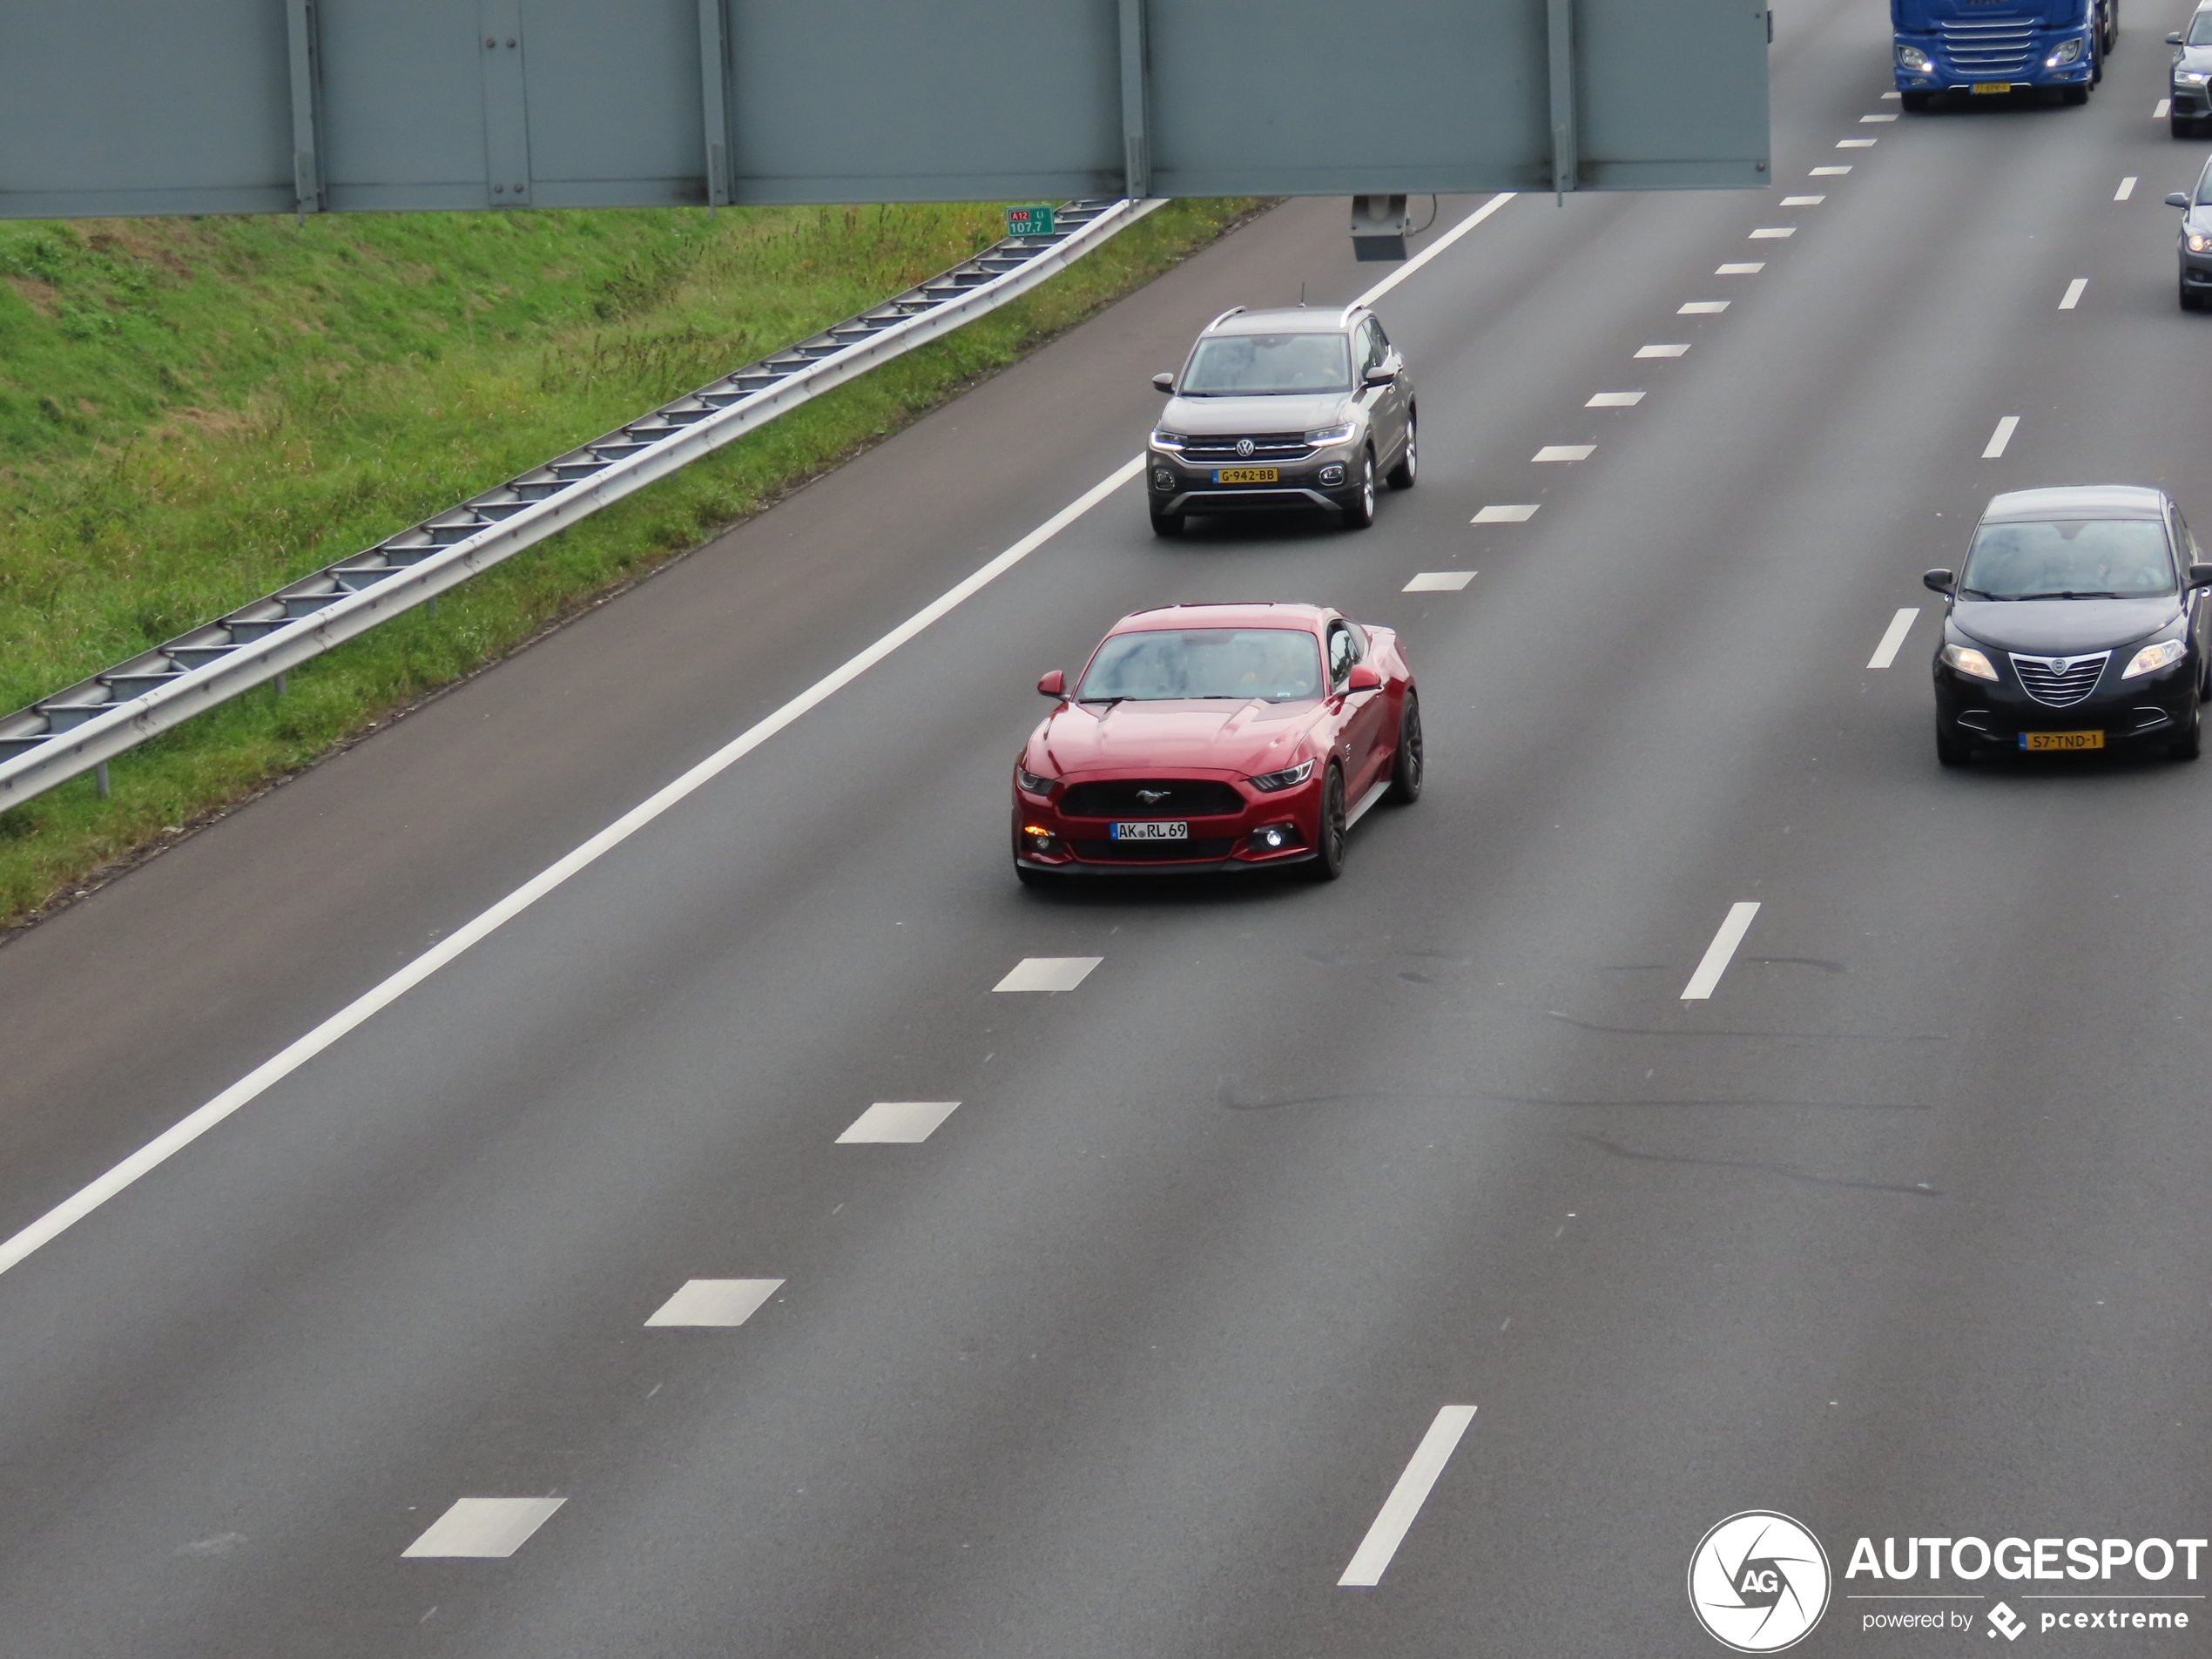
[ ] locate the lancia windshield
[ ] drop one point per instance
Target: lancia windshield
(2096, 558)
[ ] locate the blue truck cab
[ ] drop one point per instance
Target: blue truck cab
(1992, 47)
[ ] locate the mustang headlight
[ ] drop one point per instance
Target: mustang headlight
(1171, 440)
(1289, 778)
(1031, 782)
(2151, 659)
(1967, 660)
(2069, 51)
(1340, 433)
(1912, 58)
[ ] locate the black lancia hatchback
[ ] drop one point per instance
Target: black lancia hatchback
(2080, 622)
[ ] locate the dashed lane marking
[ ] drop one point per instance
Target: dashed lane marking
(722, 1302)
(2074, 293)
(1803, 201)
(1831, 173)
(1869, 120)
(2126, 189)
(1720, 953)
(1701, 308)
(1439, 582)
(1564, 452)
(1396, 1519)
(1999, 438)
(1893, 637)
(899, 1123)
(483, 1528)
(1048, 974)
(1661, 351)
(2163, 108)
(1856, 143)
(1891, 98)
(1772, 233)
(1741, 267)
(1614, 401)
(1501, 513)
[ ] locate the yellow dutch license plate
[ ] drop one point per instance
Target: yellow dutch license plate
(1246, 475)
(1992, 86)
(2044, 742)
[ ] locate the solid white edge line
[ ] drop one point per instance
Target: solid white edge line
(1893, 637)
(1994, 448)
(1399, 1509)
(1434, 248)
(167, 1145)
(1720, 952)
(2074, 293)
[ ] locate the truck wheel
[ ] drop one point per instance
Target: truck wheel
(2075, 95)
(1914, 102)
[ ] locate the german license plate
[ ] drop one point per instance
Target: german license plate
(1151, 832)
(1246, 475)
(1992, 86)
(2040, 742)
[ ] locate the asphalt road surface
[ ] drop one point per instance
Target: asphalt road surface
(1901, 1231)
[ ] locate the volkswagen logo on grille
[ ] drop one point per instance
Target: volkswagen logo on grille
(1153, 796)
(1244, 446)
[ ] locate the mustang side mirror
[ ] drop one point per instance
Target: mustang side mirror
(1380, 374)
(1165, 383)
(1940, 581)
(2201, 576)
(1365, 678)
(1054, 684)
(2177, 200)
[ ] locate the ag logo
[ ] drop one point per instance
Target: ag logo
(1758, 1582)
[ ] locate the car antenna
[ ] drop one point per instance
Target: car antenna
(1301, 296)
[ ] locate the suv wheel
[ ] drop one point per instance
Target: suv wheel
(1167, 523)
(1402, 476)
(1359, 512)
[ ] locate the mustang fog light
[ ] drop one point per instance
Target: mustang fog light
(1040, 837)
(1273, 837)
(1332, 475)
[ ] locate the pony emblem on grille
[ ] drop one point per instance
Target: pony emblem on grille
(1153, 796)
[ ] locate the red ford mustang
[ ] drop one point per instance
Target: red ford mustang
(1201, 738)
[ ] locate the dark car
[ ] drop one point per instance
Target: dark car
(2192, 67)
(2079, 622)
(2193, 247)
(1274, 410)
(1217, 738)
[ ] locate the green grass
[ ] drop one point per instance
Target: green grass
(193, 412)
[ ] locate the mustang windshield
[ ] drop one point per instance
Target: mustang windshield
(1254, 365)
(1271, 664)
(2101, 558)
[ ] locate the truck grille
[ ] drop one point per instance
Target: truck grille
(1266, 446)
(2060, 682)
(1183, 797)
(1996, 50)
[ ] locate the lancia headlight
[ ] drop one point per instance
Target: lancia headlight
(1289, 778)
(2199, 243)
(1031, 782)
(1322, 436)
(1967, 660)
(2151, 659)
(1912, 58)
(2069, 51)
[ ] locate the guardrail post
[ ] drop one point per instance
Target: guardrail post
(714, 80)
(281, 687)
(1561, 19)
(1136, 145)
(306, 105)
(99, 777)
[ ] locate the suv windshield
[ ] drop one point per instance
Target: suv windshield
(1273, 665)
(2201, 29)
(1249, 365)
(2101, 558)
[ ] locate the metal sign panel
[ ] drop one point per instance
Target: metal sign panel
(135, 106)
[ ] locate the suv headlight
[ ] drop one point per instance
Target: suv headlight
(2069, 51)
(1340, 433)
(1912, 58)
(1031, 782)
(2151, 659)
(1167, 441)
(2189, 77)
(1967, 660)
(1289, 778)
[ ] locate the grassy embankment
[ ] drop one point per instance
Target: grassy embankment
(194, 412)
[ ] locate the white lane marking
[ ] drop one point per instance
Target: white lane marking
(1773, 232)
(1661, 351)
(1741, 267)
(1718, 953)
(1893, 637)
(1829, 172)
(716, 1301)
(1564, 452)
(1434, 248)
(1999, 438)
(484, 1528)
(2161, 109)
(1803, 201)
(1439, 582)
(1614, 401)
(2126, 189)
(1048, 974)
(1701, 308)
(173, 1140)
(1367, 801)
(1891, 98)
(901, 1122)
(1406, 1498)
(1869, 120)
(1856, 143)
(1501, 513)
(2074, 293)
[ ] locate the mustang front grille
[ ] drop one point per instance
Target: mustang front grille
(1174, 798)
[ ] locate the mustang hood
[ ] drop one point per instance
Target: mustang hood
(1157, 739)
(1284, 412)
(2063, 627)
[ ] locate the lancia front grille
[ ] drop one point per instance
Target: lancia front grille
(2060, 682)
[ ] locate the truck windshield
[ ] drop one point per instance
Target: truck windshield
(2096, 558)
(1253, 365)
(1270, 665)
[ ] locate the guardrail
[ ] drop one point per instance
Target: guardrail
(82, 728)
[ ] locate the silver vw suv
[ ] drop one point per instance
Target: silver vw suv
(1274, 409)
